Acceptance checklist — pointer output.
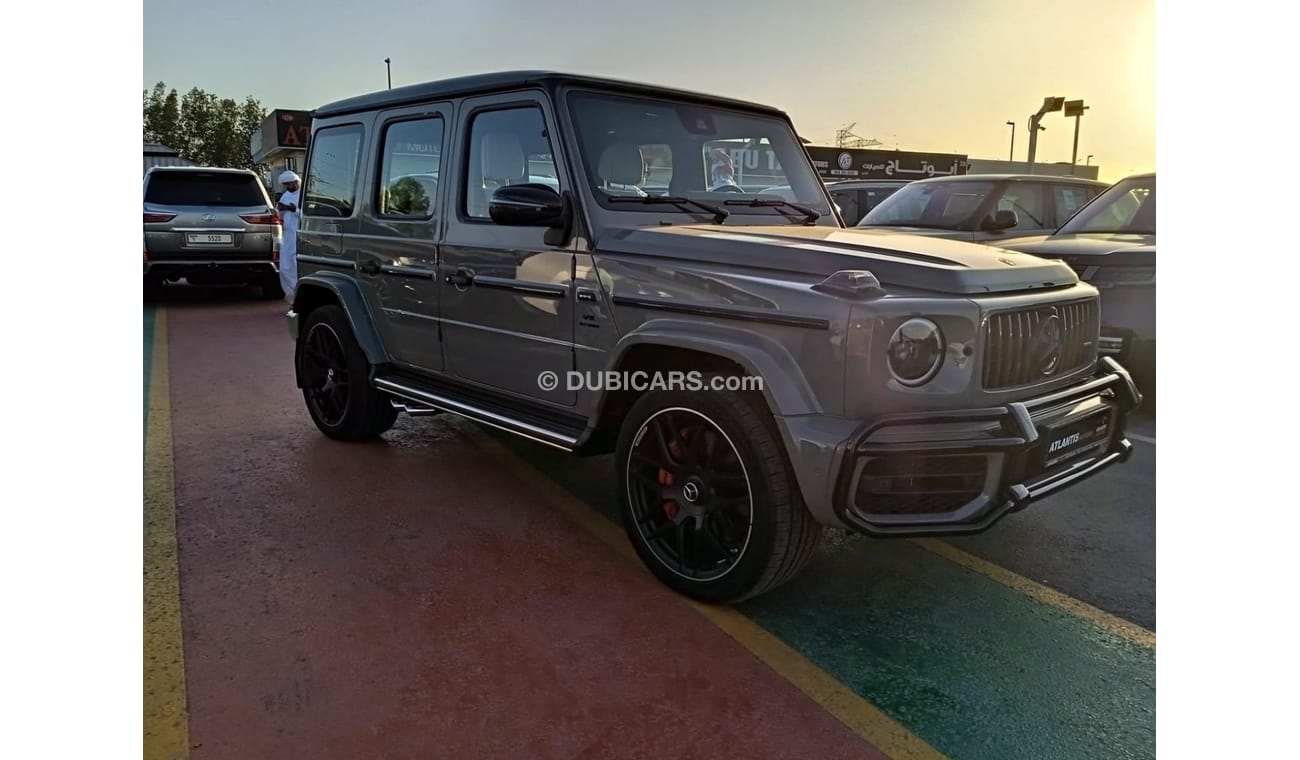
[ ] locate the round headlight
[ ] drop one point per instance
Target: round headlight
(916, 352)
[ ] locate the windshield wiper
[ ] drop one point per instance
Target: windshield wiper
(719, 213)
(809, 215)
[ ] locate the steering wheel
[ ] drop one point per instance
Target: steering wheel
(729, 189)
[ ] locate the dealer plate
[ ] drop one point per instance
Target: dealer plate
(1072, 440)
(209, 238)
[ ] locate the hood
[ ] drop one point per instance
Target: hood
(930, 232)
(905, 261)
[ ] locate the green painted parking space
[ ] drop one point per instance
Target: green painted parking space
(976, 669)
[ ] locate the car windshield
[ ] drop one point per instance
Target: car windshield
(1127, 207)
(204, 189)
(635, 147)
(938, 205)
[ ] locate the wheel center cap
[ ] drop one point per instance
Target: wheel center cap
(691, 491)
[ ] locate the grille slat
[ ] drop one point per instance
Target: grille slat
(1013, 343)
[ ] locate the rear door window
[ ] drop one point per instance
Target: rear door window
(204, 189)
(1070, 199)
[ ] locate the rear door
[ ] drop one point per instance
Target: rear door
(207, 215)
(396, 243)
(329, 198)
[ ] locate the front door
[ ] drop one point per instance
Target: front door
(505, 296)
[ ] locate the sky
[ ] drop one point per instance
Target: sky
(923, 75)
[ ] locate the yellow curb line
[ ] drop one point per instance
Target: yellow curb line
(861, 717)
(1104, 620)
(166, 717)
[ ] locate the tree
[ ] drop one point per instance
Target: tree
(202, 127)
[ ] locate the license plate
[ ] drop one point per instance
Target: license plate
(209, 238)
(1063, 443)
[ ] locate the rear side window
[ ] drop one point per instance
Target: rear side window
(847, 200)
(409, 169)
(1070, 199)
(204, 189)
(331, 186)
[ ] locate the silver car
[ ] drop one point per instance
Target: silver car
(210, 226)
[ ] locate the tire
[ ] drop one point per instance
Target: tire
(676, 537)
(271, 289)
(336, 379)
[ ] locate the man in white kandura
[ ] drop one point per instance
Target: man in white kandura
(290, 215)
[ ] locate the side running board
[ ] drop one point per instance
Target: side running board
(419, 399)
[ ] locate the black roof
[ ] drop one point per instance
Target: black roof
(508, 80)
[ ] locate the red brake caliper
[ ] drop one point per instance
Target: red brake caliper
(670, 506)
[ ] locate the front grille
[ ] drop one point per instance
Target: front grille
(913, 485)
(1018, 350)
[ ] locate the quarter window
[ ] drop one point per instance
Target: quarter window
(409, 168)
(331, 186)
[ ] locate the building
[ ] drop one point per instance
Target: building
(160, 155)
(281, 144)
(1059, 169)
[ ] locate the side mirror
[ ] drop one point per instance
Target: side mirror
(1002, 219)
(531, 205)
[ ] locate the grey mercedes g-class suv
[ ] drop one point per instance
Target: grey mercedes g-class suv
(757, 369)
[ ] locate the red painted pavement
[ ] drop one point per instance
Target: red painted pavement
(410, 599)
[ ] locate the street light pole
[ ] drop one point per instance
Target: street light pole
(1075, 108)
(1050, 104)
(1012, 155)
(1089, 162)
(389, 64)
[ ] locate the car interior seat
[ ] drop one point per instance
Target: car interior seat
(622, 168)
(504, 163)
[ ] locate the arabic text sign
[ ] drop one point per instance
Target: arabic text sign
(857, 163)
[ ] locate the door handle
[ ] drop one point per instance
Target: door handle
(368, 267)
(463, 278)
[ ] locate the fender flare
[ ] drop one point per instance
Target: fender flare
(347, 293)
(784, 386)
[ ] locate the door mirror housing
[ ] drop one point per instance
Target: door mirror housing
(1002, 219)
(530, 205)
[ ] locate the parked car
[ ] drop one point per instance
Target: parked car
(210, 226)
(1111, 243)
(757, 369)
(983, 208)
(855, 197)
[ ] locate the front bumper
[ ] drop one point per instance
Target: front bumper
(959, 472)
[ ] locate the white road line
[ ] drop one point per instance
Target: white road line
(1142, 438)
